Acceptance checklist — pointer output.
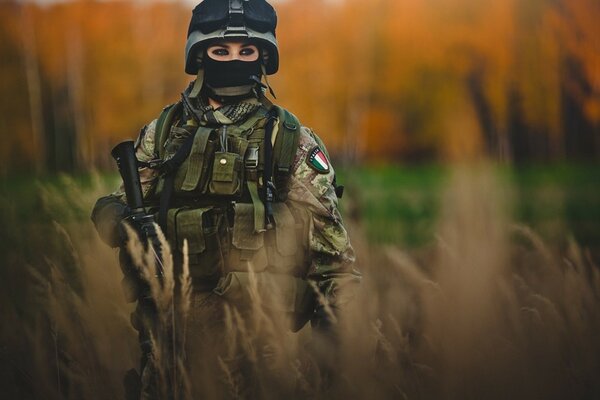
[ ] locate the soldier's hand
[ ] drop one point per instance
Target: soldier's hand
(107, 215)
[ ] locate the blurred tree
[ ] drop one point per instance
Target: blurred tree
(379, 80)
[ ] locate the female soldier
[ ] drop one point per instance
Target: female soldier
(250, 189)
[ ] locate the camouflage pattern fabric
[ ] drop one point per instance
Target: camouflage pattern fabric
(330, 255)
(329, 245)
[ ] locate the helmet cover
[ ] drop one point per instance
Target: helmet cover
(214, 20)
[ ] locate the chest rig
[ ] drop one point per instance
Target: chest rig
(223, 190)
(248, 162)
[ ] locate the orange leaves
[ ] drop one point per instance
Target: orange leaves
(376, 78)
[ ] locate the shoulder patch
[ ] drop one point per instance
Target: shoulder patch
(318, 161)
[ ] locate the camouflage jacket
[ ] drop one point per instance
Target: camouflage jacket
(328, 254)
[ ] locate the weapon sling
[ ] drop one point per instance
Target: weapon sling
(268, 172)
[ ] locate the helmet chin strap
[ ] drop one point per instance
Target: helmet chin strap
(264, 73)
(198, 84)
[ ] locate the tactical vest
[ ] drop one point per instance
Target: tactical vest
(219, 202)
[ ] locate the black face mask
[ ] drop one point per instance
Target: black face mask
(221, 74)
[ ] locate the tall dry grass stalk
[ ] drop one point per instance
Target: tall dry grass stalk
(489, 311)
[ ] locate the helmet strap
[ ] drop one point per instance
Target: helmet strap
(198, 84)
(264, 73)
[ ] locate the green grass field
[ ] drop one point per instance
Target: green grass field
(396, 204)
(455, 302)
(400, 205)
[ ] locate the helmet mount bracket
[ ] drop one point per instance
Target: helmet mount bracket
(236, 25)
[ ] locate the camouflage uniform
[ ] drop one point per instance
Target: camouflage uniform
(309, 232)
(256, 237)
(327, 242)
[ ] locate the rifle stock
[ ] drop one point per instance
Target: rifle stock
(124, 155)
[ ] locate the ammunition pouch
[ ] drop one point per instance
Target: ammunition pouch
(248, 252)
(205, 230)
(227, 175)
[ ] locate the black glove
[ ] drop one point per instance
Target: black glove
(107, 215)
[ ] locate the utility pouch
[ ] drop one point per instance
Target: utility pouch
(226, 175)
(279, 292)
(248, 252)
(202, 228)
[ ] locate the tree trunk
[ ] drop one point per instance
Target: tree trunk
(32, 71)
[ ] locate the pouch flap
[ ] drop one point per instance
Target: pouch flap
(244, 237)
(189, 226)
(285, 229)
(224, 166)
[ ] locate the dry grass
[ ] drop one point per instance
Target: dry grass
(489, 311)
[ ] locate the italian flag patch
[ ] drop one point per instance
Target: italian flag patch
(318, 161)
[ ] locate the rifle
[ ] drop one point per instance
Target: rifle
(124, 155)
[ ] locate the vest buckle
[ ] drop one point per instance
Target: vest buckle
(251, 159)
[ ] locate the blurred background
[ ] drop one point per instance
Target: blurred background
(466, 132)
(386, 83)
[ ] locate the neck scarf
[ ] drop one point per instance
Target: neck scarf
(227, 114)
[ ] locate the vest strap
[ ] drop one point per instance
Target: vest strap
(286, 143)
(259, 207)
(196, 159)
(163, 124)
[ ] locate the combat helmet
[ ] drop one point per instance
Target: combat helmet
(212, 20)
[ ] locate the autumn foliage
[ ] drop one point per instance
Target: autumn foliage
(378, 80)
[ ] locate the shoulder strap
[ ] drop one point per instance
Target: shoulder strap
(286, 143)
(163, 126)
(284, 149)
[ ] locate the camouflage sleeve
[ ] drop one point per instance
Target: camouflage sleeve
(145, 152)
(110, 210)
(331, 254)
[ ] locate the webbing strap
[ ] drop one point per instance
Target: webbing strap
(197, 84)
(194, 170)
(250, 123)
(269, 187)
(259, 207)
(286, 144)
(169, 168)
(164, 122)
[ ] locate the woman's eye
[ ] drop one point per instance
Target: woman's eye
(247, 52)
(220, 52)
